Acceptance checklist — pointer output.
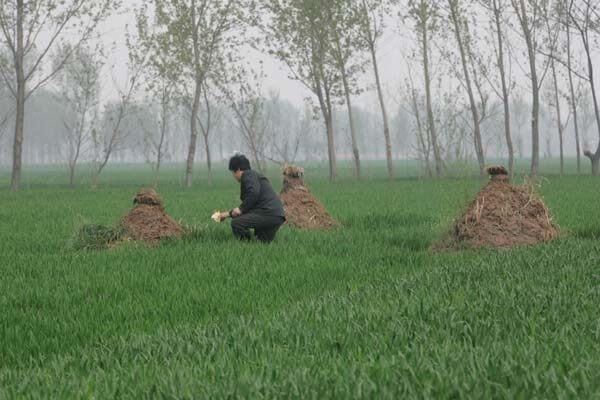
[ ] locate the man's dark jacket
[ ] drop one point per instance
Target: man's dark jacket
(258, 196)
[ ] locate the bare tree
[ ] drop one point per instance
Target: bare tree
(287, 130)
(553, 28)
(461, 32)
(371, 20)
(529, 15)
(213, 119)
(584, 16)
(497, 9)
(423, 145)
(79, 89)
(252, 121)
(21, 24)
(566, 20)
(156, 127)
(108, 136)
(424, 15)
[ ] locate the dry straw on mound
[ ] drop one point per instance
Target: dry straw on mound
(502, 216)
(148, 222)
(302, 209)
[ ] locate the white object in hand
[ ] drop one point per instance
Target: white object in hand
(216, 216)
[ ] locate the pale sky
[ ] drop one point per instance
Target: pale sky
(390, 58)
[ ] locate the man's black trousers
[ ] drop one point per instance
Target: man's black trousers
(265, 226)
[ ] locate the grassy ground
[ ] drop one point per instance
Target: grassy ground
(362, 312)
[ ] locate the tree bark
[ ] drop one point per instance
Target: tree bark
(72, 176)
(558, 117)
(20, 112)
(425, 147)
(535, 90)
(474, 111)
(189, 170)
(386, 126)
(325, 105)
(505, 91)
(573, 100)
(595, 157)
(430, 119)
(355, 150)
(208, 159)
(161, 142)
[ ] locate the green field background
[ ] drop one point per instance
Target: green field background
(365, 311)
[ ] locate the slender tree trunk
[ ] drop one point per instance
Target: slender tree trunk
(425, 148)
(430, 118)
(355, 150)
(386, 126)
(558, 117)
(325, 104)
(73, 164)
(159, 150)
(344, 73)
(535, 91)
(193, 138)
(595, 157)
(505, 91)
(208, 159)
(331, 148)
(474, 111)
(573, 99)
(72, 175)
(189, 171)
(20, 115)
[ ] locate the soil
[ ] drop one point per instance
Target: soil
(502, 216)
(302, 209)
(148, 221)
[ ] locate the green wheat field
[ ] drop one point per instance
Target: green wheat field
(366, 311)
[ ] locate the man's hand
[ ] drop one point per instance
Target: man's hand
(223, 216)
(236, 212)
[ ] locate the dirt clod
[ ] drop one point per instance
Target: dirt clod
(148, 221)
(502, 216)
(302, 209)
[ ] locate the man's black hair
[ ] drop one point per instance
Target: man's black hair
(239, 162)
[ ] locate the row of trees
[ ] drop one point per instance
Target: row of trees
(547, 31)
(464, 63)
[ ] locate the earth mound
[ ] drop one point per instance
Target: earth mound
(148, 222)
(302, 209)
(502, 216)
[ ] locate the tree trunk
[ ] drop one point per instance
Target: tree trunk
(474, 111)
(20, 115)
(193, 138)
(572, 99)
(72, 175)
(331, 148)
(386, 126)
(355, 150)
(505, 91)
(595, 158)
(208, 159)
(189, 171)
(558, 117)
(430, 119)
(535, 92)
(325, 105)
(425, 148)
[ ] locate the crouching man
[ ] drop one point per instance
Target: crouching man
(261, 209)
